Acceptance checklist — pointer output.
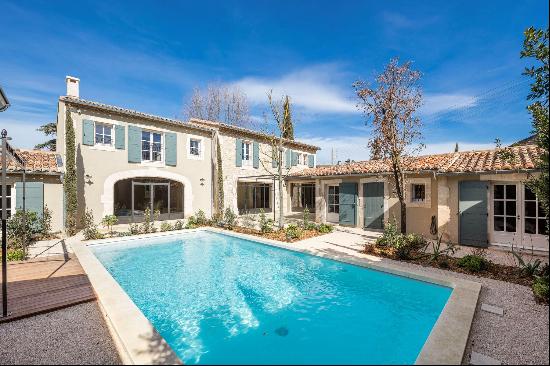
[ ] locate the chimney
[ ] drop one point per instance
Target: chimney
(72, 86)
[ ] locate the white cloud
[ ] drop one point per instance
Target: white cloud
(316, 89)
(435, 103)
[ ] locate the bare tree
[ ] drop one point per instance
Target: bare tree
(273, 161)
(390, 108)
(219, 103)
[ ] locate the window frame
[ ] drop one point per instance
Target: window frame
(538, 218)
(200, 140)
(413, 193)
(151, 143)
(10, 200)
(112, 135)
(333, 205)
(249, 157)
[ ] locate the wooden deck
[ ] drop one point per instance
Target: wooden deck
(43, 285)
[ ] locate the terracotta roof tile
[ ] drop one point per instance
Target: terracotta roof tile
(524, 158)
(36, 161)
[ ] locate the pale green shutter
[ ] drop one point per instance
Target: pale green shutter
(256, 156)
(134, 144)
(171, 148)
(347, 201)
(238, 152)
(120, 137)
(311, 161)
(34, 198)
(294, 158)
(274, 157)
(87, 132)
(287, 158)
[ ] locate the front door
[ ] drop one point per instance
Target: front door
(348, 203)
(373, 194)
(472, 209)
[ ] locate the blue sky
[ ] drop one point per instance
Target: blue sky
(149, 55)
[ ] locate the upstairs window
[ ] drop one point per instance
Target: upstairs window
(418, 192)
(195, 147)
(247, 154)
(151, 146)
(103, 134)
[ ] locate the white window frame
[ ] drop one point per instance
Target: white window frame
(250, 158)
(9, 198)
(162, 147)
(191, 156)
(102, 146)
(539, 216)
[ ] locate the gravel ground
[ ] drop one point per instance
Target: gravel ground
(520, 336)
(74, 335)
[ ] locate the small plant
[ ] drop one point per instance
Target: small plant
(528, 268)
(391, 235)
(46, 221)
(438, 252)
(17, 231)
(248, 221)
(201, 218)
(166, 226)
(16, 255)
(90, 231)
(475, 262)
(266, 225)
(293, 232)
(134, 229)
(108, 221)
(147, 225)
(325, 228)
(178, 225)
(306, 218)
(229, 218)
(541, 288)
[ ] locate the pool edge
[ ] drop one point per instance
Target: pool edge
(446, 343)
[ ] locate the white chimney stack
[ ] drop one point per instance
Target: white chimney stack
(72, 86)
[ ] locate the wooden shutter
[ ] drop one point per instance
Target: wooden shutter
(34, 198)
(274, 157)
(288, 154)
(120, 137)
(311, 161)
(87, 132)
(472, 208)
(256, 155)
(348, 201)
(294, 158)
(373, 194)
(238, 152)
(134, 144)
(171, 148)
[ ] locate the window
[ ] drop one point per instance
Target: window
(418, 192)
(535, 222)
(151, 146)
(195, 147)
(103, 134)
(261, 196)
(247, 155)
(504, 208)
(334, 199)
(304, 159)
(253, 196)
(8, 201)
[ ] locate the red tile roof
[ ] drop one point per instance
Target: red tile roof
(523, 158)
(36, 161)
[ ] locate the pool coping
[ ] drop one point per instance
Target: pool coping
(133, 333)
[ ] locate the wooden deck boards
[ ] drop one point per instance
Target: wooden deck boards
(43, 285)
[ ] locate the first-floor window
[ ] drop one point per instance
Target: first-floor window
(8, 201)
(195, 147)
(253, 196)
(261, 196)
(535, 222)
(333, 199)
(418, 192)
(103, 134)
(151, 146)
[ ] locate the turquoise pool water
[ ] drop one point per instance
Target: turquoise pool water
(217, 299)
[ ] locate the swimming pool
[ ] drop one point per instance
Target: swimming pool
(221, 299)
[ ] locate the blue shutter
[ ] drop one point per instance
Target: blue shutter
(87, 132)
(287, 158)
(373, 194)
(256, 155)
(348, 200)
(274, 157)
(238, 152)
(311, 161)
(120, 137)
(472, 208)
(171, 148)
(294, 158)
(34, 198)
(134, 144)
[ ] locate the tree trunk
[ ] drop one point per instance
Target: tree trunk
(281, 211)
(403, 217)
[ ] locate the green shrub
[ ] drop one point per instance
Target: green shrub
(293, 232)
(16, 231)
(90, 231)
(540, 288)
(266, 225)
(325, 228)
(528, 268)
(16, 255)
(404, 245)
(306, 218)
(391, 235)
(473, 262)
(166, 226)
(201, 218)
(147, 225)
(248, 221)
(178, 225)
(134, 229)
(108, 221)
(46, 221)
(229, 218)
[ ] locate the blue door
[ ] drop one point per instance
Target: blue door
(348, 203)
(373, 194)
(472, 210)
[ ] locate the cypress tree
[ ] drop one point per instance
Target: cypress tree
(70, 176)
(288, 127)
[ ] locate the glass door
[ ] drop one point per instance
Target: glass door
(333, 204)
(141, 198)
(161, 199)
(535, 234)
(505, 215)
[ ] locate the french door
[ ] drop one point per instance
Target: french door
(152, 196)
